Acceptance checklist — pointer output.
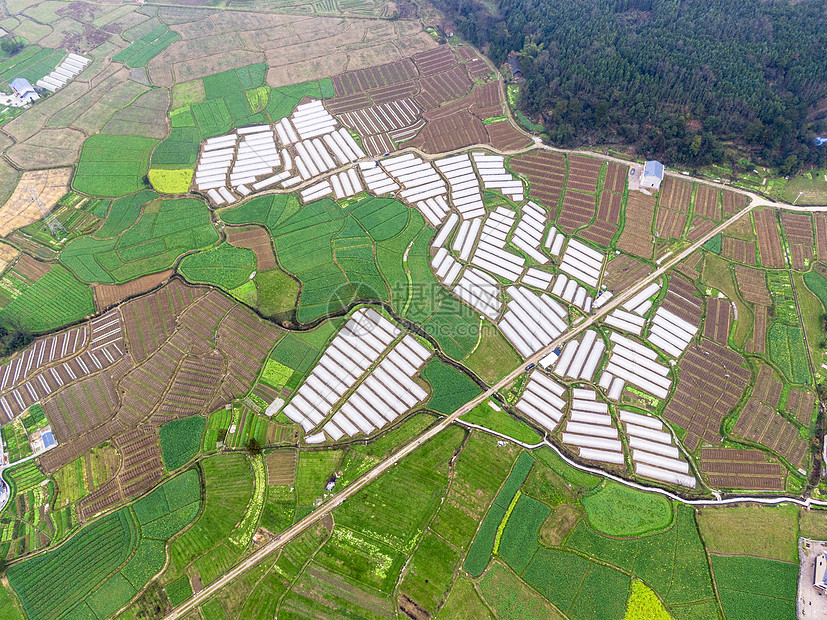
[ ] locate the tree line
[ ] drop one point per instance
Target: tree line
(686, 81)
(13, 339)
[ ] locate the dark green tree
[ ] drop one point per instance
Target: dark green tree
(253, 447)
(11, 45)
(675, 78)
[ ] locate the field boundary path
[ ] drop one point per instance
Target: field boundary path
(381, 467)
(757, 200)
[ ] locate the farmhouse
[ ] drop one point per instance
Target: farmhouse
(820, 578)
(652, 175)
(23, 91)
(514, 65)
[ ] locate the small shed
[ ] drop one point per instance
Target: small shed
(820, 573)
(652, 175)
(23, 90)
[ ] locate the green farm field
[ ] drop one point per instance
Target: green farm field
(817, 283)
(519, 534)
(300, 350)
(113, 165)
(142, 234)
(812, 311)
(548, 541)
(752, 587)
(179, 590)
(618, 510)
(144, 49)
(181, 440)
(688, 583)
(228, 489)
(464, 601)
(450, 388)
(216, 103)
(73, 480)
(216, 429)
(31, 63)
(179, 150)
(52, 301)
(226, 266)
(313, 471)
(511, 598)
(812, 524)
(357, 458)
(104, 565)
(357, 252)
(377, 533)
(16, 440)
(764, 531)
(786, 350)
(25, 523)
(493, 355)
(76, 213)
(257, 594)
(276, 293)
(480, 551)
(430, 573)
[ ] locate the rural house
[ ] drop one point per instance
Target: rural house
(23, 91)
(652, 175)
(514, 65)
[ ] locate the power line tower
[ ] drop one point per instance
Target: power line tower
(51, 221)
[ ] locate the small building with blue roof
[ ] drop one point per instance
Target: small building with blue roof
(23, 90)
(48, 439)
(653, 172)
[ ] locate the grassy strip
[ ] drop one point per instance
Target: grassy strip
(500, 422)
(505, 521)
(515, 480)
(483, 545)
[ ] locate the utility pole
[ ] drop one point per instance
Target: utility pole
(51, 221)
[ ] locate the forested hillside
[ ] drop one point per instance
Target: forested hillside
(683, 80)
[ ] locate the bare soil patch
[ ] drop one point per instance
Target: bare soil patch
(107, 295)
(561, 520)
(21, 209)
(281, 467)
(49, 147)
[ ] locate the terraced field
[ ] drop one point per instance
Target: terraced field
(173, 366)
